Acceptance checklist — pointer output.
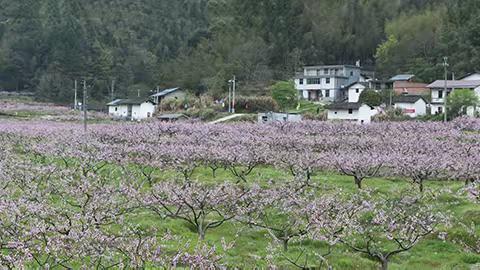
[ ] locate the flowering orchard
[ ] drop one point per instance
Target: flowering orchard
(105, 198)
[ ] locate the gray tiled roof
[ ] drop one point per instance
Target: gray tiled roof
(407, 99)
(131, 101)
(345, 106)
(166, 92)
(402, 77)
(454, 84)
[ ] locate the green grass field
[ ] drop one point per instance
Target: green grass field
(251, 244)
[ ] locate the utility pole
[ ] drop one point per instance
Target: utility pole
(233, 94)
(113, 89)
(85, 105)
(445, 65)
(230, 96)
(75, 102)
(391, 98)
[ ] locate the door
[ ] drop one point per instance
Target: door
(129, 111)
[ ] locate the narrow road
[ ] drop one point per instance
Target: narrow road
(226, 118)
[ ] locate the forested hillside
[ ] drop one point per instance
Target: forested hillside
(199, 44)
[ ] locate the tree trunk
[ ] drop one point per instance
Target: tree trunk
(214, 172)
(285, 245)
(384, 264)
(421, 186)
(201, 234)
(358, 182)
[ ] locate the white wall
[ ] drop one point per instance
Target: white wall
(139, 112)
(145, 110)
(435, 97)
(353, 96)
(363, 115)
(334, 83)
(434, 108)
(418, 108)
(120, 111)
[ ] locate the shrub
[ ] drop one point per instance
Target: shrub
(371, 98)
(391, 114)
(459, 100)
(322, 116)
(171, 105)
(255, 104)
(284, 94)
(204, 114)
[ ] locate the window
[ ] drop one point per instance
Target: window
(301, 81)
(325, 71)
(336, 112)
(313, 81)
(327, 93)
(350, 111)
(440, 94)
(327, 80)
(351, 73)
(116, 109)
(357, 91)
(440, 109)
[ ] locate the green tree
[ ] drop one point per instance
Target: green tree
(284, 94)
(412, 45)
(459, 101)
(371, 98)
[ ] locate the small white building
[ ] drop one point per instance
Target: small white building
(349, 111)
(132, 109)
(438, 91)
(271, 117)
(411, 105)
(355, 90)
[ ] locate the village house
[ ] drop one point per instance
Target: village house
(168, 94)
(355, 90)
(132, 109)
(351, 111)
(326, 83)
(438, 91)
(411, 105)
(404, 84)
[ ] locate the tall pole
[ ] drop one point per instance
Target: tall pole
(85, 105)
(113, 89)
(229, 96)
(233, 95)
(391, 98)
(445, 65)
(75, 102)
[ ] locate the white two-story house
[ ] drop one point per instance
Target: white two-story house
(326, 83)
(439, 95)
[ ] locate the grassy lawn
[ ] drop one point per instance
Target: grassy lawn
(251, 244)
(307, 107)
